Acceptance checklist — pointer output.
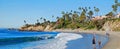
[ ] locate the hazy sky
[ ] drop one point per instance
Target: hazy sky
(13, 12)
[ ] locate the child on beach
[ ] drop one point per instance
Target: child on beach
(107, 34)
(99, 43)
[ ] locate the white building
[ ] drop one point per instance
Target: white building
(118, 15)
(99, 17)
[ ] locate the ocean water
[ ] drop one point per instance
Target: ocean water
(59, 42)
(14, 39)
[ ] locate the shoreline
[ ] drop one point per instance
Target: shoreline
(86, 41)
(113, 42)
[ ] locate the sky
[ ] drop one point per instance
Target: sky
(14, 12)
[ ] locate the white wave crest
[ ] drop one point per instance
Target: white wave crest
(60, 41)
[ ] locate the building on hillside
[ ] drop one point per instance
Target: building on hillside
(99, 17)
(102, 17)
(118, 15)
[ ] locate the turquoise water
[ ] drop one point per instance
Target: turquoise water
(14, 39)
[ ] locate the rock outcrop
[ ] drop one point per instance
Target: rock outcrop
(48, 28)
(112, 25)
(36, 28)
(32, 28)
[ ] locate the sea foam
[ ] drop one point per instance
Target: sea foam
(60, 41)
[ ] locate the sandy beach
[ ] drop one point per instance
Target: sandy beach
(113, 42)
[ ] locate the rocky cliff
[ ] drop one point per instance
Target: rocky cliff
(32, 28)
(112, 25)
(36, 28)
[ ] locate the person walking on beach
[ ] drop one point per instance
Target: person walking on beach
(94, 41)
(107, 30)
(99, 43)
(107, 34)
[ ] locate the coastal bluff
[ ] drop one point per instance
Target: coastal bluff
(112, 25)
(36, 28)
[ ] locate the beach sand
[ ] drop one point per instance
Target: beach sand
(114, 38)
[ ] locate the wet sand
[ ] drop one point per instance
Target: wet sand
(86, 42)
(114, 38)
(114, 41)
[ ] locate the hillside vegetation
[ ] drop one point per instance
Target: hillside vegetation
(112, 25)
(80, 19)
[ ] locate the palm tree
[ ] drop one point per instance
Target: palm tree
(57, 17)
(118, 4)
(75, 11)
(41, 19)
(80, 8)
(67, 17)
(82, 17)
(89, 8)
(71, 11)
(44, 20)
(116, 1)
(84, 10)
(25, 22)
(37, 21)
(110, 14)
(63, 12)
(52, 16)
(74, 17)
(48, 22)
(114, 8)
(90, 13)
(63, 15)
(96, 10)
